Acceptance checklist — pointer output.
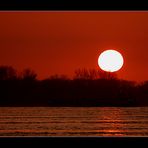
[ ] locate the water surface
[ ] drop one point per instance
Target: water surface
(73, 121)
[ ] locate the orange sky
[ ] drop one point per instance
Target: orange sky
(58, 42)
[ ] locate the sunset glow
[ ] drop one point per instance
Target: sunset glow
(60, 42)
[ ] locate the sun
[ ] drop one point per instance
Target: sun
(110, 60)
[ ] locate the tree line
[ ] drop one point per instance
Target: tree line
(87, 88)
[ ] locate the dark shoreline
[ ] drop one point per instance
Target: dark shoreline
(83, 91)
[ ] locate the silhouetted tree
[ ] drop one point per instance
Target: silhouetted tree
(7, 73)
(82, 74)
(89, 88)
(93, 74)
(107, 75)
(28, 74)
(58, 77)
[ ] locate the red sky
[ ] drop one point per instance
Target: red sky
(59, 42)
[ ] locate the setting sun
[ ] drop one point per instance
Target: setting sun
(110, 60)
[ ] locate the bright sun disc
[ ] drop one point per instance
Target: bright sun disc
(110, 60)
